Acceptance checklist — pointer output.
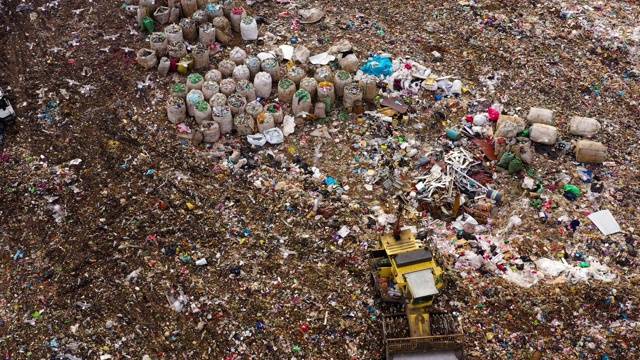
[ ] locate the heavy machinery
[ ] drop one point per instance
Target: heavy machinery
(405, 271)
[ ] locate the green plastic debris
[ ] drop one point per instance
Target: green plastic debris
(584, 264)
(343, 116)
(524, 133)
(302, 95)
(343, 75)
(285, 84)
(536, 203)
(506, 159)
(515, 166)
(148, 24)
(202, 106)
(572, 189)
(327, 103)
(180, 88)
(186, 258)
(195, 78)
(530, 171)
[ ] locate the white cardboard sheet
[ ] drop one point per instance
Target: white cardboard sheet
(605, 222)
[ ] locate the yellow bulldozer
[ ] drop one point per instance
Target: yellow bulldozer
(406, 272)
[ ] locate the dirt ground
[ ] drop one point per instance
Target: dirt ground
(93, 253)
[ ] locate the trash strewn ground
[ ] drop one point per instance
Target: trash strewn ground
(506, 133)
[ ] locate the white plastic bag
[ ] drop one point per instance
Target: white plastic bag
(226, 68)
(237, 14)
(227, 87)
(274, 136)
(222, 116)
(262, 84)
(257, 139)
(213, 75)
(249, 29)
(241, 72)
(218, 99)
(238, 55)
(210, 88)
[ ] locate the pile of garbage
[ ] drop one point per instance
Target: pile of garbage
(296, 137)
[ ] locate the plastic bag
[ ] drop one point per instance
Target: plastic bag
(274, 136)
(494, 114)
(515, 166)
(257, 139)
(265, 122)
(238, 55)
(241, 72)
(262, 84)
(506, 159)
(253, 63)
(244, 124)
(249, 29)
(572, 189)
(213, 10)
(286, 90)
(148, 25)
(378, 66)
(210, 88)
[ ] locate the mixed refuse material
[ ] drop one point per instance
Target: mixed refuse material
(217, 179)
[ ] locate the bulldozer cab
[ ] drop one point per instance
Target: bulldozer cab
(408, 267)
(405, 271)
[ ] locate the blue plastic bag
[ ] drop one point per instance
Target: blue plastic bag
(378, 66)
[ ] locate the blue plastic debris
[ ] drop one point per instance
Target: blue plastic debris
(378, 66)
(19, 254)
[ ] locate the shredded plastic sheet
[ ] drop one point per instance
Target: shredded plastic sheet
(378, 66)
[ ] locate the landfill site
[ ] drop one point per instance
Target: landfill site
(280, 179)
